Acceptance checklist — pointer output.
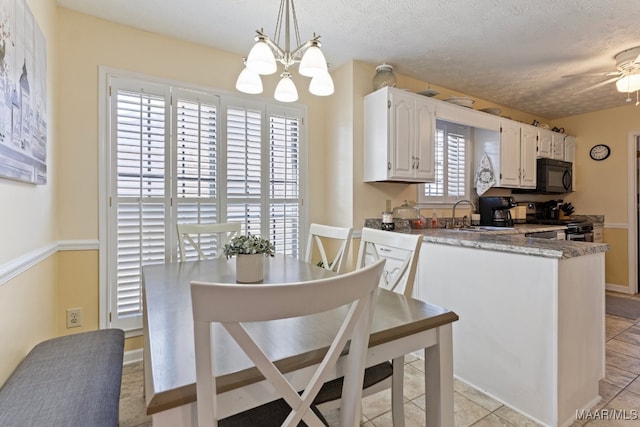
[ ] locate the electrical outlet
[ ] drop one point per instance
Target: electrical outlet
(74, 317)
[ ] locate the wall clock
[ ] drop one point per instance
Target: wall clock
(600, 152)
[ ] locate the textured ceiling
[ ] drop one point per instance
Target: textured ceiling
(511, 52)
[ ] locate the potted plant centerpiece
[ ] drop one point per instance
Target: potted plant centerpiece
(249, 251)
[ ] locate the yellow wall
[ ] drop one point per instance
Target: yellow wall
(28, 217)
(78, 288)
(602, 186)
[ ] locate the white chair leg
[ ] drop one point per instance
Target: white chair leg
(397, 392)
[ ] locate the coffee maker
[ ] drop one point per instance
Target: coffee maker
(494, 211)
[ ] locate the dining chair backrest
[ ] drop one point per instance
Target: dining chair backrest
(401, 252)
(340, 235)
(231, 305)
(214, 234)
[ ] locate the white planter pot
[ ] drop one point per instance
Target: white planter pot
(249, 268)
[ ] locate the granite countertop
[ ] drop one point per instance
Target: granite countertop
(507, 240)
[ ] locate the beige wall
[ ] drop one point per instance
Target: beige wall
(602, 186)
(28, 217)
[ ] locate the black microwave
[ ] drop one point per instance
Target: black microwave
(554, 176)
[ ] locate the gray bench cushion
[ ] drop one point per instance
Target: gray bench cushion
(66, 381)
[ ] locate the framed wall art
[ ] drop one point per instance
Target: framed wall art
(23, 95)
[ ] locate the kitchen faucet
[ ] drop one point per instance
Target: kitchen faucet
(453, 213)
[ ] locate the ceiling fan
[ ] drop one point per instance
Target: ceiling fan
(627, 76)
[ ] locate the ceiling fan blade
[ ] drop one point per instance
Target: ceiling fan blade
(597, 85)
(602, 74)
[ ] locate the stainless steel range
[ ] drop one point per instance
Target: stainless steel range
(540, 213)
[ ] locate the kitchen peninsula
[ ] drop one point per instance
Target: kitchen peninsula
(532, 317)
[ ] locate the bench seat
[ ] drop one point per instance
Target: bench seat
(72, 380)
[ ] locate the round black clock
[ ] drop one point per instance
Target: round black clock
(600, 152)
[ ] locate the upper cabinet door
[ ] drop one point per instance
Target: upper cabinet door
(425, 135)
(544, 143)
(510, 155)
(403, 134)
(557, 146)
(528, 143)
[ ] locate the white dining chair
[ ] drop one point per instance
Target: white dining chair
(199, 235)
(319, 234)
(401, 252)
(232, 305)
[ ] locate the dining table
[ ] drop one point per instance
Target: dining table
(401, 325)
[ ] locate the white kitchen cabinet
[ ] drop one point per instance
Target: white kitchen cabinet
(399, 132)
(528, 168)
(570, 156)
(545, 141)
(512, 152)
(557, 145)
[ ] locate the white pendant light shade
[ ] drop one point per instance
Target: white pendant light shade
(261, 59)
(321, 84)
(286, 90)
(313, 62)
(629, 83)
(249, 82)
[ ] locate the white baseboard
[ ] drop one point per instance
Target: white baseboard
(132, 356)
(619, 288)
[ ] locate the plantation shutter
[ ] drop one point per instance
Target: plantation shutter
(284, 183)
(140, 131)
(244, 168)
(196, 154)
(183, 156)
(450, 185)
(456, 155)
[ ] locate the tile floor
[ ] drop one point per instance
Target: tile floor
(620, 390)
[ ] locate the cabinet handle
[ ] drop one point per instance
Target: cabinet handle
(524, 173)
(417, 162)
(389, 166)
(384, 249)
(413, 162)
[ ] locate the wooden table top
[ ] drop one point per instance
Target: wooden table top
(293, 343)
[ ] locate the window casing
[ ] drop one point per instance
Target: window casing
(183, 155)
(452, 165)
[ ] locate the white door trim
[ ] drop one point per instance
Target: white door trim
(632, 210)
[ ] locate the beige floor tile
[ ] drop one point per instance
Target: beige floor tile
(493, 420)
(413, 417)
(630, 335)
(616, 325)
(628, 402)
(476, 395)
(634, 387)
(630, 349)
(413, 382)
(514, 417)
(377, 404)
(466, 412)
(618, 377)
(608, 391)
(622, 361)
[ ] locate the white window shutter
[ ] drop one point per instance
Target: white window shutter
(140, 201)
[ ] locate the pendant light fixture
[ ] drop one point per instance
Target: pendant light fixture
(266, 53)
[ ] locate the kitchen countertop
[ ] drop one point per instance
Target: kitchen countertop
(507, 240)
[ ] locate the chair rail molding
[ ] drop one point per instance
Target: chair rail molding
(19, 265)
